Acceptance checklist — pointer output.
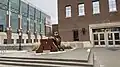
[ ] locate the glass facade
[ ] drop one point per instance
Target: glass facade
(27, 12)
(3, 18)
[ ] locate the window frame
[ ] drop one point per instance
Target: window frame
(111, 9)
(83, 9)
(68, 13)
(97, 7)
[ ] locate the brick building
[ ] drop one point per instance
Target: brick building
(95, 21)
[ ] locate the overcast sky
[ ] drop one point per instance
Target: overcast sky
(48, 6)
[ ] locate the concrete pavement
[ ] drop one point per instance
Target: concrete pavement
(107, 57)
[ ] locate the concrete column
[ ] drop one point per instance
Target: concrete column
(28, 30)
(8, 24)
(35, 31)
(35, 22)
(28, 25)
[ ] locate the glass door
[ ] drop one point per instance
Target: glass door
(102, 39)
(110, 39)
(117, 39)
(99, 39)
(96, 41)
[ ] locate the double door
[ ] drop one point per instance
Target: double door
(107, 39)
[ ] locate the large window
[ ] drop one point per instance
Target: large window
(81, 9)
(3, 19)
(32, 26)
(96, 7)
(31, 12)
(38, 18)
(68, 11)
(14, 6)
(24, 8)
(43, 26)
(3, 4)
(112, 5)
(14, 22)
(24, 24)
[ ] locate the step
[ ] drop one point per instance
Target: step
(36, 58)
(47, 62)
(23, 64)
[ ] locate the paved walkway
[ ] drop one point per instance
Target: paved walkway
(107, 58)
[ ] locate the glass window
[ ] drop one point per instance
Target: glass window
(81, 9)
(38, 27)
(4, 1)
(24, 24)
(3, 18)
(42, 27)
(14, 5)
(3, 4)
(68, 11)
(32, 26)
(24, 8)
(96, 7)
(14, 22)
(95, 36)
(101, 36)
(31, 12)
(112, 5)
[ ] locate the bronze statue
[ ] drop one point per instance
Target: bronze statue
(57, 40)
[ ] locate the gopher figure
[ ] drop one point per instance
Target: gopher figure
(57, 40)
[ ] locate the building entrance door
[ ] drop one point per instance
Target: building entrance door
(110, 41)
(99, 39)
(106, 38)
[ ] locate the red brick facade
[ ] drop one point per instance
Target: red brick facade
(67, 25)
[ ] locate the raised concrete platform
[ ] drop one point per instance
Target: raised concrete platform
(77, 54)
(73, 58)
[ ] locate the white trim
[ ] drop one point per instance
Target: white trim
(104, 25)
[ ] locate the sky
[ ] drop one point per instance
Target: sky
(47, 6)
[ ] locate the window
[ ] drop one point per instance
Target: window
(18, 41)
(81, 9)
(12, 41)
(14, 6)
(24, 24)
(1, 28)
(32, 26)
(68, 11)
(26, 40)
(112, 5)
(2, 19)
(14, 22)
(5, 41)
(24, 9)
(96, 7)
